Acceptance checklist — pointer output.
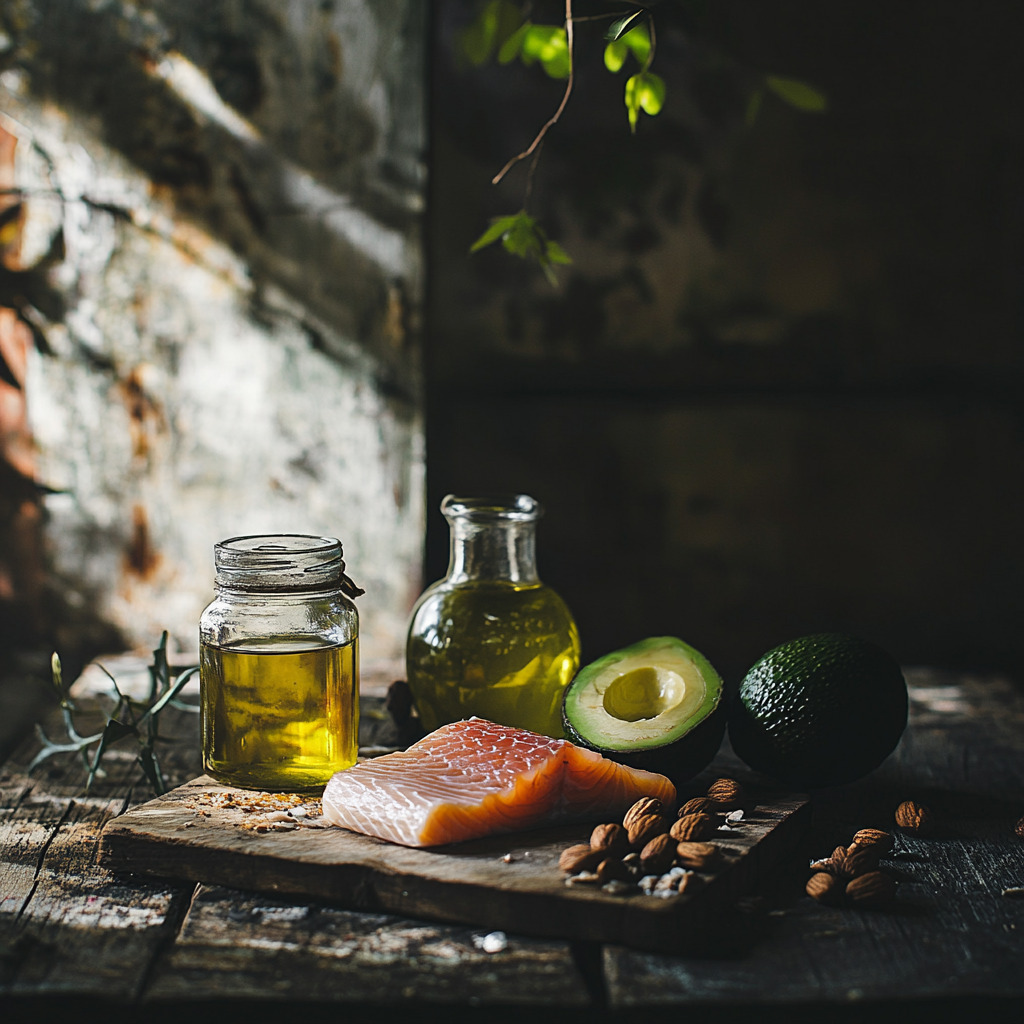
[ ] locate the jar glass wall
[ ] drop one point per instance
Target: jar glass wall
(279, 664)
(491, 639)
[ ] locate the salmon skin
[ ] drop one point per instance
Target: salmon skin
(474, 778)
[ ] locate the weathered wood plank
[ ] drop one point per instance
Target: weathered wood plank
(246, 945)
(190, 833)
(67, 926)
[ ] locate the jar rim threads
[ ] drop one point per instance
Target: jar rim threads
(515, 507)
(281, 561)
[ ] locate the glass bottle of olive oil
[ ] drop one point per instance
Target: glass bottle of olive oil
(279, 664)
(491, 639)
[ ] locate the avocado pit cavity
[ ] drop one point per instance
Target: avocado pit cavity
(644, 693)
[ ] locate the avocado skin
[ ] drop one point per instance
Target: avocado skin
(820, 711)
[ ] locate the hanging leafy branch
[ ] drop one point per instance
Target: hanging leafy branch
(129, 717)
(503, 30)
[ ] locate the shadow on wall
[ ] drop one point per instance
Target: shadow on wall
(211, 232)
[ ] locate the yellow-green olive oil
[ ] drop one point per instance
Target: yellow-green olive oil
(280, 713)
(501, 651)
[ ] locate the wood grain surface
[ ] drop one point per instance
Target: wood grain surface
(187, 834)
(952, 948)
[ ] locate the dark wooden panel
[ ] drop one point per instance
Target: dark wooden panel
(247, 945)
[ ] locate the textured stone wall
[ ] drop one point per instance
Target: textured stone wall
(218, 252)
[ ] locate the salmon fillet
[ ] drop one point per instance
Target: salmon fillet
(474, 778)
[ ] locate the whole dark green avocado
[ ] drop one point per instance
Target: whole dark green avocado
(823, 710)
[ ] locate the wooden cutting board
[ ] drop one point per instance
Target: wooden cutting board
(508, 882)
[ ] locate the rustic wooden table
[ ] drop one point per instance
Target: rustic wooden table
(74, 938)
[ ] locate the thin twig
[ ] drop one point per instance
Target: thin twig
(561, 106)
(529, 176)
(654, 43)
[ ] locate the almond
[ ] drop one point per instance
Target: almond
(645, 805)
(697, 856)
(875, 889)
(726, 793)
(612, 869)
(832, 864)
(692, 827)
(914, 818)
(657, 855)
(1019, 828)
(645, 828)
(579, 858)
(698, 805)
(881, 842)
(612, 839)
(825, 888)
(858, 860)
(689, 881)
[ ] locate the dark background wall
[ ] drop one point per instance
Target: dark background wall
(779, 390)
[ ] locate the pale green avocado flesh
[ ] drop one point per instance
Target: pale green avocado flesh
(645, 705)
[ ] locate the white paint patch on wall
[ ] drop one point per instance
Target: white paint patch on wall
(171, 416)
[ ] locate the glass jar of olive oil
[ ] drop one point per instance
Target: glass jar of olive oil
(490, 639)
(279, 664)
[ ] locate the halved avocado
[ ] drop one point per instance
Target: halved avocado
(656, 704)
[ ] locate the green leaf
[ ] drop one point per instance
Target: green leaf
(798, 94)
(112, 732)
(645, 92)
(169, 694)
(56, 674)
(639, 41)
(512, 46)
(522, 236)
(615, 55)
(620, 25)
(151, 769)
(521, 239)
(556, 254)
(495, 23)
(754, 106)
(549, 45)
(499, 225)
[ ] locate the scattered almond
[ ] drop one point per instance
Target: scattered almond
(612, 839)
(726, 793)
(697, 856)
(856, 861)
(579, 858)
(875, 889)
(583, 878)
(914, 818)
(881, 842)
(612, 869)
(693, 827)
(825, 888)
(645, 805)
(831, 864)
(658, 854)
(689, 881)
(645, 828)
(698, 805)
(1019, 828)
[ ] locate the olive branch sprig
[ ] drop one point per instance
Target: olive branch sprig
(129, 717)
(503, 29)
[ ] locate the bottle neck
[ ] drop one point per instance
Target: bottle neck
(503, 551)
